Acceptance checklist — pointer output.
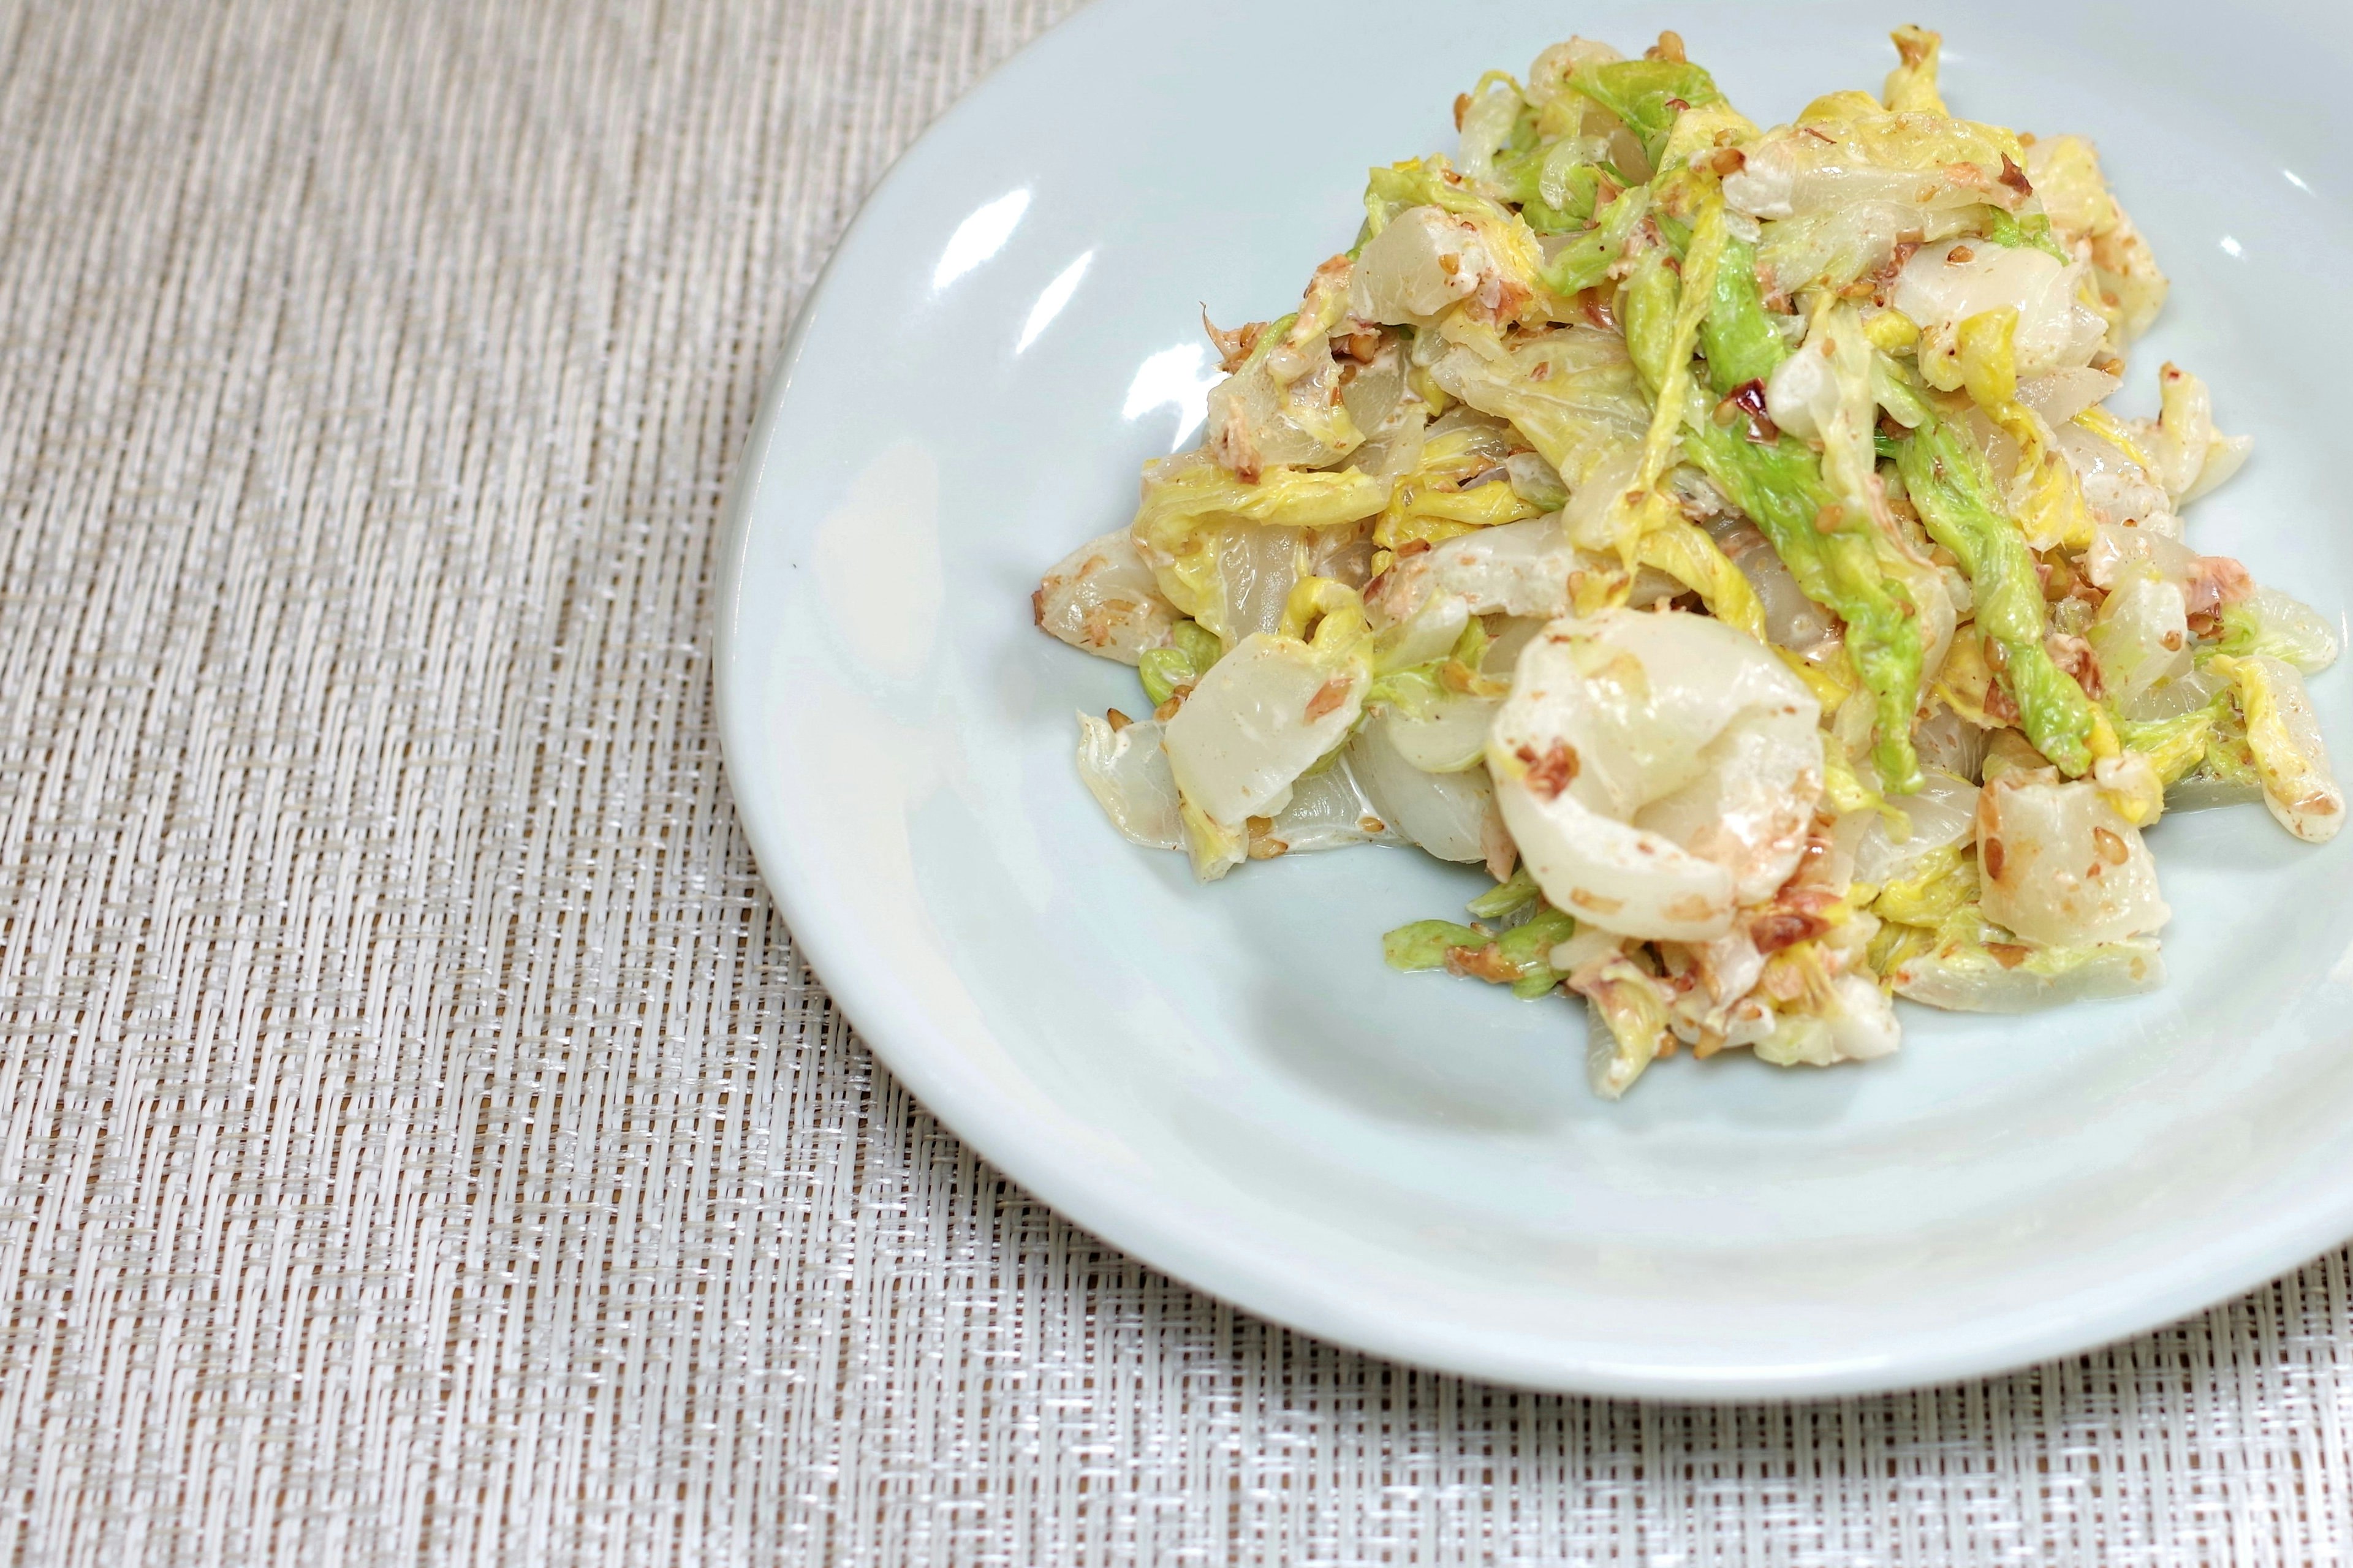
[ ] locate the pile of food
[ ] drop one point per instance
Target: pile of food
(1720, 535)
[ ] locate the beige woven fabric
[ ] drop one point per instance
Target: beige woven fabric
(419, 1142)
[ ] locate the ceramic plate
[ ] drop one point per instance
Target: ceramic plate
(1225, 1080)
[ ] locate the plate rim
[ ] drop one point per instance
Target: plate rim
(1118, 1212)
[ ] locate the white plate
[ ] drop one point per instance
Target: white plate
(1225, 1080)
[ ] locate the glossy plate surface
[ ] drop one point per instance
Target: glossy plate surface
(1225, 1080)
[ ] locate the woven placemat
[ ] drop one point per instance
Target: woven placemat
(418, 1141)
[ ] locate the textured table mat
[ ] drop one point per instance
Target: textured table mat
(418, 1141)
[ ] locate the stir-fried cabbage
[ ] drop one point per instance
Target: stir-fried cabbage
(1263, 716)
(1571, 393)
(1210, 536)
(1516, 569)
(2193, 457)
(1721, 535)
(1946, 284)
(2062, 867)
(1655, 770)
(1329, 809)
(1102, 598)
(1997, 976)
(2090, 224)
(1854, 1022)
(2280, 625)
(2141, 638)
(2283, 733)
(1943, 815)
(1446, 814)
(1127, 772)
